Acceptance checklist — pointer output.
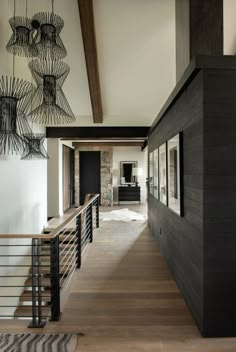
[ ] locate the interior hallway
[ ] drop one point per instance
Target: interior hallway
(124, 299)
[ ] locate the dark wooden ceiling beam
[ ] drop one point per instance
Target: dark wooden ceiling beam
(98, 132)
(91, 58)
(110, 144)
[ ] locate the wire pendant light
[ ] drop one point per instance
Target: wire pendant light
(50, 106)
(22, 42)
(34, 148)
(14, 98)
(48, 40)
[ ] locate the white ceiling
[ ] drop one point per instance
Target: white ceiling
(136, 55)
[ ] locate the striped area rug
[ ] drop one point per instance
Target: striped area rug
(38, 343)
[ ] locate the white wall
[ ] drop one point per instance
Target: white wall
(23, 184)
(229, 27)
(55, 176)
(130, 154)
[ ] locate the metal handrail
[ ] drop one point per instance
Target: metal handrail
(63, 247)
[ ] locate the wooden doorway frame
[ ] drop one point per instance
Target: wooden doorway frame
(71, 177)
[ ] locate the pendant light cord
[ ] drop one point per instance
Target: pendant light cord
(14, 17)
(53, 7)
(26, 8)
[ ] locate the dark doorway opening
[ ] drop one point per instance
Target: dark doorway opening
(89, 174)
(68, 178)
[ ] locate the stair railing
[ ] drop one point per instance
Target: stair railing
(34, 269)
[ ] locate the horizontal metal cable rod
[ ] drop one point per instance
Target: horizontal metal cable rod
(15, 276)
(18, 245)
(68, 255)
(84, 248)
(63, 277)
(87, 234)
(27, 306)
(24, 266)
(66, 281)
(68, 270)
(70, 258)
(70, 245)
(62, 254)
(84, 245)
(21, 255)
(67, 251)
(18, 297)
(69, 267)
(26, 286)
(65, 234)
(72, 240)
(23, 316)
(85, 229)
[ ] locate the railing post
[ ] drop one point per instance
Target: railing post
(91, 222)
(36, 285)
(97, 212)
(33, 322)
(78, 236)
(55, 278)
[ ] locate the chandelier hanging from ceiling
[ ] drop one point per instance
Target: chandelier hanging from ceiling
(34, 148)
(19, 100)
(22, 41)
(14, 98)
(51, 104)
(48, 41)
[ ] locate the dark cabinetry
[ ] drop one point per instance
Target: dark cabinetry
(126, 193)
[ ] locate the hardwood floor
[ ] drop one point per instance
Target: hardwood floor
(124, 299)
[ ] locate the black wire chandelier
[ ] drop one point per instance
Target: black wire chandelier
(48, 40)
(34, 148)
(14, 98)
(22, 41)
(50, 106)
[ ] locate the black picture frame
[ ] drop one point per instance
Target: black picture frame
(156, 173)
(151, 173)
(163, 184)
(174, 172)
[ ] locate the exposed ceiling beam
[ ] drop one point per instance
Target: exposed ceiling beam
(91, 58)
(97, 132)
(111, 144)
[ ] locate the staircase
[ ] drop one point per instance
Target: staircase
(50, 258)
(67, 243)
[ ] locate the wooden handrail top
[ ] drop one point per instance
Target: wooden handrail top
(25, 236)
(54, 232)
(73, 216)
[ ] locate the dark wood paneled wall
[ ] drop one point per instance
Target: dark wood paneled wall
(220, 202)
(181, 238)
(199, 30)
(200, 246)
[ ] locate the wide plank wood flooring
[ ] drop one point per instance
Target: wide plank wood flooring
(124, 299)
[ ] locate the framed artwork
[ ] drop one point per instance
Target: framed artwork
(156, 173)
(126, 172)
(174, 191)
(162, 174)
(151, 173)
